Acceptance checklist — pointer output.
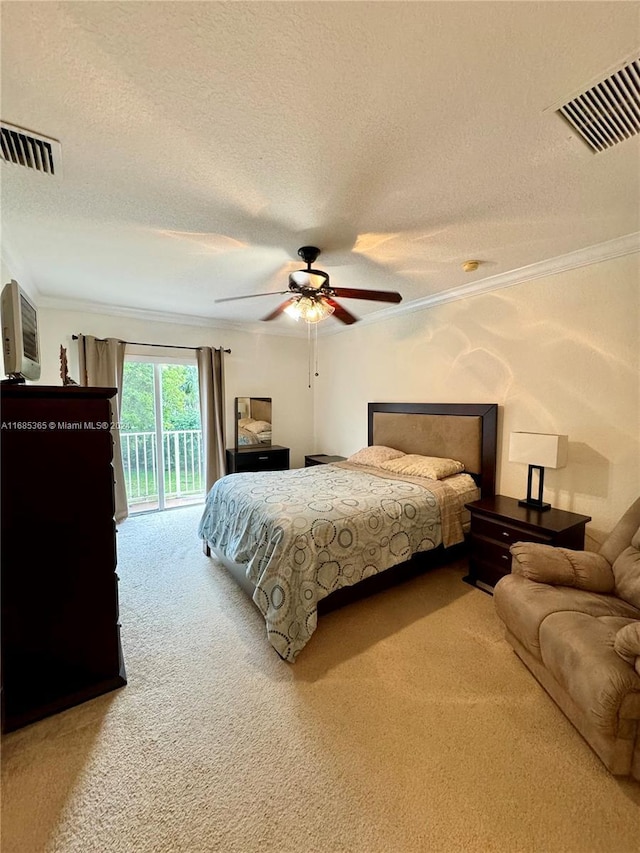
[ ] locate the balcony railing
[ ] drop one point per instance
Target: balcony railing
(182, 462)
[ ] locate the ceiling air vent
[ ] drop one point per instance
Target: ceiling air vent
(609, 112)
(24, 148)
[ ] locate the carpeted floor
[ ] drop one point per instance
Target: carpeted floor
(406, 725)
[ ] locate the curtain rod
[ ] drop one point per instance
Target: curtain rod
(164, 346)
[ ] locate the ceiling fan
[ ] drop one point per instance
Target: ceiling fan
(312, 297)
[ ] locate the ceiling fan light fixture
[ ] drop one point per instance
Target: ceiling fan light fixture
(310, 310)
(310, 279)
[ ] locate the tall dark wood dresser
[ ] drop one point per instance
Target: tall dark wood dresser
(60, 631)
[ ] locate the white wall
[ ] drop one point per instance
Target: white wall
(558, 354)
(260, 365)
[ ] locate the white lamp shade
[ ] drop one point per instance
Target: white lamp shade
(539, 448)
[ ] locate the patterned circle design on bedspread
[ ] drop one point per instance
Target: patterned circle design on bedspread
(278, 498)
(410, 511)
(399, 545)
(261, 599)
(323, 532)
(300, 555)
(320, 505)
(392, 508)
(349, 571)
(278, 593)
(328, 574)
(277, 596)
(371, 551)
(311, 621)
(308, 591)
(345, 538)
(374, 522)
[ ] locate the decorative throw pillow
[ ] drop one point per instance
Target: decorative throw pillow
(627, 642)
(433, 467)
(375, 455)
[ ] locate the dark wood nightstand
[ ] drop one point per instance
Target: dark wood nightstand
(269, 458)
(321, 459)
(498, 522)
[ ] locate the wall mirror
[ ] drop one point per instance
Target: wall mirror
(253, 421)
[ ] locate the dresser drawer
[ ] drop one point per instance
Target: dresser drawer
(492, 552)
(505, 533)
(269, 459)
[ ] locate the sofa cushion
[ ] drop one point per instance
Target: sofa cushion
(577, 649)
(622, 533)
(626, 571)
(562, 566)
(627, 642)
(523, 605)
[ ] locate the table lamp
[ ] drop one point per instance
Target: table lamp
(538, 450)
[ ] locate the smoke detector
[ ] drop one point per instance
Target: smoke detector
(30, 150)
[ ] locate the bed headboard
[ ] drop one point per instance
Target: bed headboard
(464, 431)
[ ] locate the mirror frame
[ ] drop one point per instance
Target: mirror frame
(237, 414)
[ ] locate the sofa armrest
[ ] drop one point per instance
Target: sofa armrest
(562, 566)
(627, 642)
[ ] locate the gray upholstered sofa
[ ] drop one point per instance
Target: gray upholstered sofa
(573, 617)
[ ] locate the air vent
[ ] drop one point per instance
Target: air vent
(609, 112)
(24, 148)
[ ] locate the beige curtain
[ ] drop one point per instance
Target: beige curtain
(101, 365)
(211, 381)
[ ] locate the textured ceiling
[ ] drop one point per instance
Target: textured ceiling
(203, 143)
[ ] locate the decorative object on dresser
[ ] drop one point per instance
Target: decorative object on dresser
(64, 368)
(321, 459)
(273, 458)
(497, 522)
(60, 631)
(538, 450)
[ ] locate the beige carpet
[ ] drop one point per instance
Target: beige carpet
(407, 724)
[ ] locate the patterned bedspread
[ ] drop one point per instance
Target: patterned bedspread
(306, 532)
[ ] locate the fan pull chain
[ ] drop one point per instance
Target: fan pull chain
(316, 343)
(310, 354)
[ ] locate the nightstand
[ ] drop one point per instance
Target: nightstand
(498, 522)
(321, 459)
(269, 458)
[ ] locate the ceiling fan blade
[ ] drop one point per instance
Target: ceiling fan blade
(278, 311)
(251, 296)
(373, 295)
(341, 313)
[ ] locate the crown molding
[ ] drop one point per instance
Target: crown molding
(616, 248)
(56, 303)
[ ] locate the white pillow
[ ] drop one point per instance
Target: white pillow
(258, 426)
(414, 465)
(375, 455)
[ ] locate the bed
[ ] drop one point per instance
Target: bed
(252, 432)
(297, 539)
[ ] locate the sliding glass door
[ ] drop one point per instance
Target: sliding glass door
(161, 434)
